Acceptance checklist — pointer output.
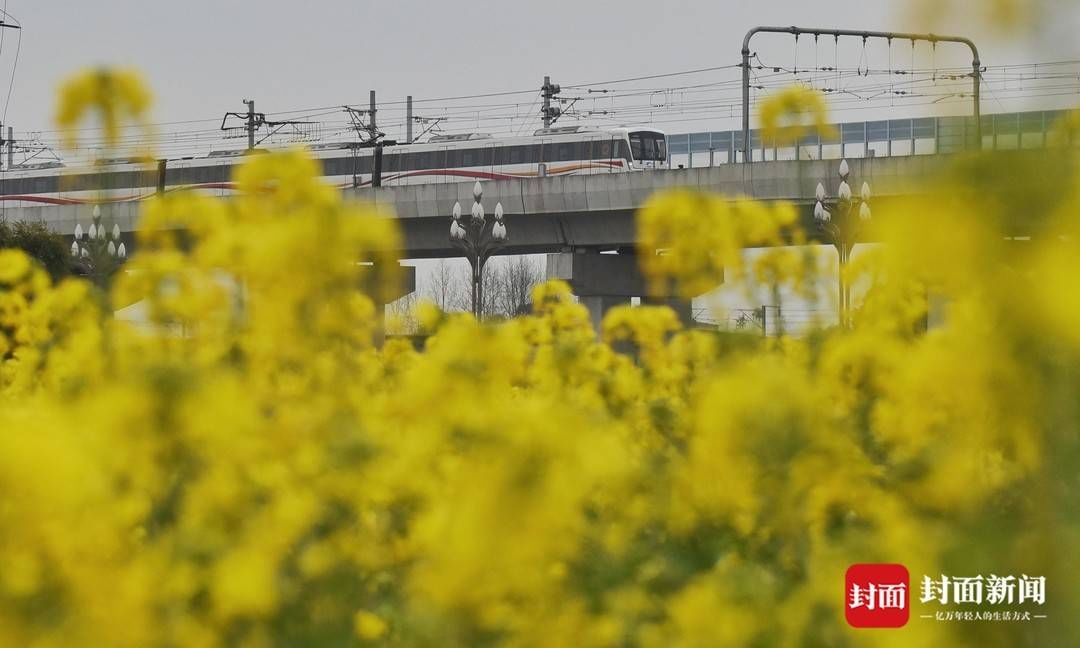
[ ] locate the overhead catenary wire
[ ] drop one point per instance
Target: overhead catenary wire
(712, 96)
(990, 74)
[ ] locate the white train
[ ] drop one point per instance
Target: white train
(441, 159)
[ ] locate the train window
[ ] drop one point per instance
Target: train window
(648, 145)
(619, 149)
(603, 150)
(468, 158)
(645, 145)
(517, 154)
(501, 156)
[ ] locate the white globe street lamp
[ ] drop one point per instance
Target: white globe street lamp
(478, 239)
(98, 252)
(841, 220)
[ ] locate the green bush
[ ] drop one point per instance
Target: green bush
(39, 242)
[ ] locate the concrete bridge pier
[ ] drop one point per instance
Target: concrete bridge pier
(599, 306)
(406, 285)
(600, 281)
(603, 281)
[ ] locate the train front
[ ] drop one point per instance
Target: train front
(648, 148)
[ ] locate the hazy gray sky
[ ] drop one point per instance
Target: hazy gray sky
(202, 57)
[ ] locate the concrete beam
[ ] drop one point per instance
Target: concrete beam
(554, 213)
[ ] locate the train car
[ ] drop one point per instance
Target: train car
(441, 159)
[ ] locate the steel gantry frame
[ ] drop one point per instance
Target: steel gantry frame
(976, 66)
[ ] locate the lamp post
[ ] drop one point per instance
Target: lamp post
(841, 220)
(478, 240)
(98, 251)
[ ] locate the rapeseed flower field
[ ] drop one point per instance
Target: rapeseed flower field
(254, 470)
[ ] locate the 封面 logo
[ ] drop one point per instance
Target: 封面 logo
(876, 595)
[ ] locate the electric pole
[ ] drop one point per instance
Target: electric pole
(9, 143)
(250, 123)
(372, 110)
(550, 91)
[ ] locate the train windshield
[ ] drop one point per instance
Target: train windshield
(648, 145)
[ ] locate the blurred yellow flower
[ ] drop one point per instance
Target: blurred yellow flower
(789, 114)
(111, 96)
(369, 627)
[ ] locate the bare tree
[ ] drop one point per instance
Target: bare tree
(401, 319)
(507, 288)
(449, 288)
(515, 281)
